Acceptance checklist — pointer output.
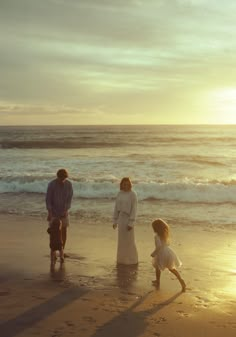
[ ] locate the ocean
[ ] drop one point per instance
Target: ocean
(185, 174)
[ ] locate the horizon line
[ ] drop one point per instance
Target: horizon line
(158, 124)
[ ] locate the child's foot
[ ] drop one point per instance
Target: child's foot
(52, 267)
(183, 285)
(156, 283)
(53, 263)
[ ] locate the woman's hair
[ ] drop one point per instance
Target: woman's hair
(124, 180)
(62, 174)
(161, 228)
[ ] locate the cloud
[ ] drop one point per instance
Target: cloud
(105, 53)
(47, 114)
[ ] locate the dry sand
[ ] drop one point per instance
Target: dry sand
(89, 297)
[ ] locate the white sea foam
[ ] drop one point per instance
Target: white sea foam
(213, 192)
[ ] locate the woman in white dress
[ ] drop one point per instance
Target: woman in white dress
(163, 256)
(125, 212)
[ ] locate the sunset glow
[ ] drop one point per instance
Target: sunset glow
(118, 62)
(222, 103)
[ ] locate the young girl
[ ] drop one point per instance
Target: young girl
(163, 255)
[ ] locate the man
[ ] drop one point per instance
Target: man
(58, 200)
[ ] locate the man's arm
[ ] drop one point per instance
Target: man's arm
(49, 201)
(69, 197)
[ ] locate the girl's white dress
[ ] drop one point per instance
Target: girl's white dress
(164, 256)
(125, 212)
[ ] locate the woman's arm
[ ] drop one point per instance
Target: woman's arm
(115, 213)
(133, 211)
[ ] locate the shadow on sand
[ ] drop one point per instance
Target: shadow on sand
(116, 327)
(130, 323)
(32, 316)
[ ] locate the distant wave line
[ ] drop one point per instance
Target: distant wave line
(50, 144)
(188, 191)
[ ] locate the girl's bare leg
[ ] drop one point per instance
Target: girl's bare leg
(181, 281)
(53, 257)
(64, 235)
(62, 256)
(156, 282)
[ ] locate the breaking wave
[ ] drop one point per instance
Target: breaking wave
(214, 191)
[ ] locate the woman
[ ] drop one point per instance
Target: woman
(124, 216)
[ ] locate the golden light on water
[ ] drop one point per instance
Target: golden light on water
(221, 262)
(230, 287)
(230, 281)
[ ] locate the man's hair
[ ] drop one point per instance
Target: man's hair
(62, 174)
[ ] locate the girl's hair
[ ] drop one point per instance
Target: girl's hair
(124, 180)
(161, 228)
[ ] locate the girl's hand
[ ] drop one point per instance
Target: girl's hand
(129, 228)
(114, 225)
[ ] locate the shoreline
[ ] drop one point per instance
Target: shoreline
(212, 216)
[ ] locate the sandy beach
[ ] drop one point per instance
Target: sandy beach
(90, 297)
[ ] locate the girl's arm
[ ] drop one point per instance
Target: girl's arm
(158, 246)
(154, 253)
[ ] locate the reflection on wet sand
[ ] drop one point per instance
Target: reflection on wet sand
(126, 275)
(58, 272)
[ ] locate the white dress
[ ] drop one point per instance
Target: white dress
(125, 212)
(164, 256)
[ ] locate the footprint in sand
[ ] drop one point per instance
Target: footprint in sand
(69, 323)
(202, 302)
(182, 313)
(57, 333)
(89, 319)
(161, 320)
(39, 297)
(77, 257)
(233, 325)
(4, 293)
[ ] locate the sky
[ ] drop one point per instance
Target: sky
(117, 62)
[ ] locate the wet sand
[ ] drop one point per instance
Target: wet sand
(89, 296)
